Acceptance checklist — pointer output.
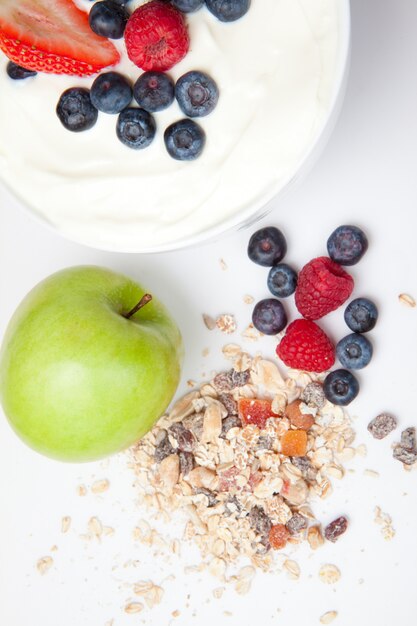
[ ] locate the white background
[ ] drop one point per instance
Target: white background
(366, 176)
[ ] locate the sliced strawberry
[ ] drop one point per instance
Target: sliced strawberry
(255, 411)
(52, 36)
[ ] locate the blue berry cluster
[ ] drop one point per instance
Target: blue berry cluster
(224, 10)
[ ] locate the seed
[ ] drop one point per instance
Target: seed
(407, 300)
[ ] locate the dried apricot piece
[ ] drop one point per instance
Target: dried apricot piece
(297, 417)
(255, 411)
(294, 443)
(278, 536)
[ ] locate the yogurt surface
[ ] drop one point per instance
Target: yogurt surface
(275, 69)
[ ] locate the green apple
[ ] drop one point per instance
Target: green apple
(82, 375)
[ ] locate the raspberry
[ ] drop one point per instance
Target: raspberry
(306, 347)
(322, 287)
(156, 36)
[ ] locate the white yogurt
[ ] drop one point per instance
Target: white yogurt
(275, 69)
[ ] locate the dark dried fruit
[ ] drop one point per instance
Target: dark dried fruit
(382, 425)
(313, 395)
(335, 529)
(259, 521)
(184, 437)
(233, 421)
(186, 462)
(296, 524)
(239, 379)
(408, 457)
(195, 423)
(305, 466)
(265, 443)
(163, 447)
(210, 495)
(223, 381)
(408, 439)
(229, 403)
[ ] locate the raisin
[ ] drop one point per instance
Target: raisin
(294, 443)
(239, 379)
(313, 395)
(210, 495)
(382, 425)
(163, 447)
(296, 524)
(229, 422)
(223, 381)
(408, 457)
(229, 403)
(184, 437)
(335, 529)
(278, 536)
(408, 439)
(186, 462)
(305, 466)
(259, 521)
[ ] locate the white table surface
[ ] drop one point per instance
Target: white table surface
(366, 176)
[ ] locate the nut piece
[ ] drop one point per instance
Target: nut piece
(297, 417)
(202, 477)
(44, 564)
(329, 574)
(382, 425)
(100, 486)
(169, 471)
(327, 618)
(407, 300)
(134, 607)
(315, 537)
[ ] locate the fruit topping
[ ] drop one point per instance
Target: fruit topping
(108, 18)
(298, 418)
(267, 246)
(322, 287)
(75, 109)
(382, 425)
(278, 536)
(17, 72)
(187, 6)
(313, 395)
(259, 521)
(255, 411)
(294, 443)
(52, 36)
(184, 140)
(335, 529)
(354, 351)
(135, 128)
(156, 36)
(197, 94)
(154, 91)
(282, 280)
(269, 316)
(361, 315)
(296, 524)
(406, 450)
(111, 92)
(228, 10)
(306, 346)
(341, 387)
(347, 245)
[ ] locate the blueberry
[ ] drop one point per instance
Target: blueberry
(17, 72)
(187, 6)
(228, 10)
(282, 280)
(184, 140)
(361, 315)
(108, 19)
(111, 92)
(347, 245)
(135, 128)
(154, 91)
(197, 94)
(340, 387)
(75, 109)
(267, 246)
(269, 316)
(354, 351)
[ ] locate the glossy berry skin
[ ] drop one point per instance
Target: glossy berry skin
(108, 18)
(75, 110)
(322, 287)
(187, 6)
(282, 280)
(111, 92)
(305, 346)
(184, 140)
(269, 316)
(361, 315)
(17, 72)
(135, 128)
(228, 10)
(354, 351)
(267, 246)
(197, 94)
(340, 387)
(347, 245)
(154, 91)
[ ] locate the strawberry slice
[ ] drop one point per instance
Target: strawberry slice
(52, 36)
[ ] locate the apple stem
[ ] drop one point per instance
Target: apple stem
(144, 300)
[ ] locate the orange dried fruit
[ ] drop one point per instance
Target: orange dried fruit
(255, 411)
(294, 443)
(278, 536)
(297, 418)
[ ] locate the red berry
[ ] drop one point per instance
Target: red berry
(306, 347)
(323, 286)
(255, 411)
(156, 36)
(52, 36)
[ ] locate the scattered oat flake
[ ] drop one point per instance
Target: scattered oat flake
(223, 264)
(205, 352)
(361, 450)
(329, 574)
(209, 321)
(134, 607)
(44, 564)
(226, 323)
(95, 527)
(247, 299)
(292, 568)
(218, 592)
(371, 473)
(251, 333)
(407, 300)
(65, 524)
(385, 521)
(100, 486)
(327, 618)
(82, 490)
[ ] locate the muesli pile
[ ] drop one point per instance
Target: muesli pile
(244, 455)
